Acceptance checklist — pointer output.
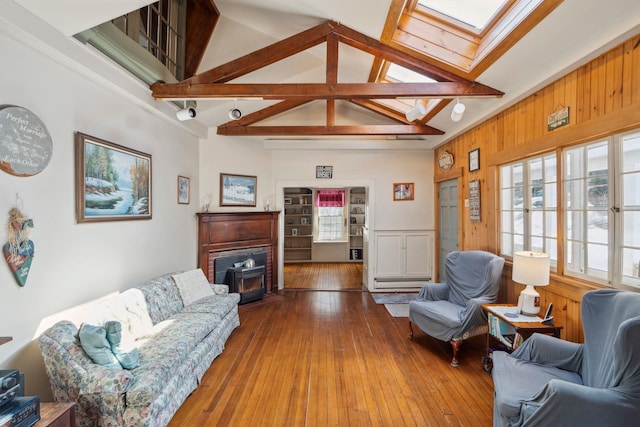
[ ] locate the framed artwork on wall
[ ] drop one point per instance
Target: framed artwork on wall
(237, 190)
(474, 160)
(184, 189)
(402, 191)
(112, 182)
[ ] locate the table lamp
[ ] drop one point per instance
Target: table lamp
(530, 269)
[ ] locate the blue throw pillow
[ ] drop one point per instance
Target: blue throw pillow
(128, 359)
(93, 340)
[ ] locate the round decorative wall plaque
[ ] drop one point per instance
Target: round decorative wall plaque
(445, 160)
(25, 143)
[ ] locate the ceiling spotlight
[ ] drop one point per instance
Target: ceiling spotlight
(186, 114)
(417, 112)
(458, 111)
(235, 114)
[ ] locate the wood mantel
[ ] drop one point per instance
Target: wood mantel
(224, 231)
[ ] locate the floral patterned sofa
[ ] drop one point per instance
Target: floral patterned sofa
(176, 345)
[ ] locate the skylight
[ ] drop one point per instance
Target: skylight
(476, 13)
(404, 75)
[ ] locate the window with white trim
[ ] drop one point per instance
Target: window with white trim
(529, 207)
(330, 216)
(602, 185)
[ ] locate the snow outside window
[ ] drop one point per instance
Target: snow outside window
(528, 207)
(603, 210)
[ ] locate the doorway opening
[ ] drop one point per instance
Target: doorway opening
(324, 237)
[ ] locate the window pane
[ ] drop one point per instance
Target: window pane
(550, 196)
(506, 222)
(575, 225)
(551, 224)
(551, 247)
(537, 223)
(506, 247)
(550, 165)
(506, 201)
(632, 229)
(631, 190)
(518, 222)
(598, 260)
(598, 228)
(518, 243)
(575, 195)
(631, 153)
(537, 244)
(505, 176)
(597, 157)
(630, 266)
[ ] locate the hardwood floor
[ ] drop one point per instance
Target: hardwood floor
(323, 276)
(335, 358)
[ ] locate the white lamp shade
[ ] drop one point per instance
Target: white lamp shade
(531, 268)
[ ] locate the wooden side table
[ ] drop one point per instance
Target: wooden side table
(57, 414)
(508, 332)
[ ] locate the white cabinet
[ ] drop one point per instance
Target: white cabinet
(403, 259)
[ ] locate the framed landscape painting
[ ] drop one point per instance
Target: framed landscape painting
(112, 182)
(237, 190)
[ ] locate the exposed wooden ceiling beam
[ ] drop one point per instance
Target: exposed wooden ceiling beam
(265, 56)
(365, 130)
(267, 112)
(213, 84)
(323, 90)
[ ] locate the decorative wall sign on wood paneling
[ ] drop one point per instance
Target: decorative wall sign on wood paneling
(25, 143)
(474, 200)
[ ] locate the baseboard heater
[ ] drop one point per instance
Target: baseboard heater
(402, 279)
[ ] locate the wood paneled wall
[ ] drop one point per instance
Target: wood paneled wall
(603, 97)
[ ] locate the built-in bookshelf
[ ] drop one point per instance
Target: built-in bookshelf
(357, 220)
(298, 224)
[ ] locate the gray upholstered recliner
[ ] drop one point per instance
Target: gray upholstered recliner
(547, 381)
(452, 311)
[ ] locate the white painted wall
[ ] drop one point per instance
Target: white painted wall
(74, 89)
(374, 169)
(75, 263)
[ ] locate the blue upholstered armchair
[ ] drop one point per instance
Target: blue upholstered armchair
(452, 311)
(547, 381)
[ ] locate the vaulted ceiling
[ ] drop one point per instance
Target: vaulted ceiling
(324, 89)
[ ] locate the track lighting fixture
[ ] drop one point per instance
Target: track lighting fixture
(458, 111)
(235, 113)
(417, 112)
(186, 114)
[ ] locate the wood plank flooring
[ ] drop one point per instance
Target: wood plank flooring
(334, 358)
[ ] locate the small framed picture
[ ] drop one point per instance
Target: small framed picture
(402, 191)
(304, 220)
(237, 190)
(474, 160)
(183, 190)
(287, 200)
(294, 231)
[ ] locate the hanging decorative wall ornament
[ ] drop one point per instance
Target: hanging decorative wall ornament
(19, 250)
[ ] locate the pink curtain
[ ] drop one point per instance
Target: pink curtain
(330, 198)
